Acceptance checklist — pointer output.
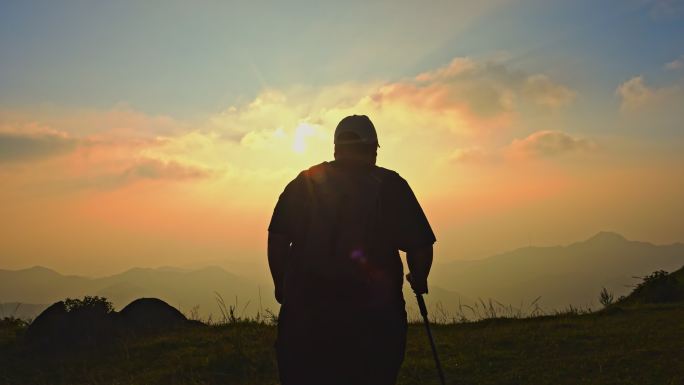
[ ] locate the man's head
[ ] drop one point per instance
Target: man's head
(356, 140)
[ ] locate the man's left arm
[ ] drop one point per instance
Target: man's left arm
(419, 261)
(415, 237)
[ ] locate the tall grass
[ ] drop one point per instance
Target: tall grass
(229, 314)
(490, 309)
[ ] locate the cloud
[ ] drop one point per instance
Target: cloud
(117, 150)
(549, 143)
(466, 97)
(16, 147)
(636, 95)
(471, 155)
(540, 144)
(479, 90)
(135, 171)
(665, 9)
(676, 64)
(157, 169)
(282, 131)
(542, 90)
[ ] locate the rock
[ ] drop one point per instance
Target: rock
(150, 315)
(58, 328)
(49, 326)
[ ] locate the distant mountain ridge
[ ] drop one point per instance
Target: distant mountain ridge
(181, 288)
(560, 275)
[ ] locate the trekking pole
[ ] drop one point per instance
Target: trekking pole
(424, 313)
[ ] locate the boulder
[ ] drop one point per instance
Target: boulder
(48, 328)
(56, 328)
(60, 328)
(146, 315)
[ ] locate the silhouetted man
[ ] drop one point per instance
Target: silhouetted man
(333, 250)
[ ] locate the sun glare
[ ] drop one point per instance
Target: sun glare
(302, 132)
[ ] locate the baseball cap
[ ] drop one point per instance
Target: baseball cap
(360, 125)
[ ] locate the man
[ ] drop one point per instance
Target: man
(333, 250)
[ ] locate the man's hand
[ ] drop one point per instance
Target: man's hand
(419, 261)
(419, 285)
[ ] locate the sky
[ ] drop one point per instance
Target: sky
(161, 133)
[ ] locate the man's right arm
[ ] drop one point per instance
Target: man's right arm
(285, 225)
(278, 250)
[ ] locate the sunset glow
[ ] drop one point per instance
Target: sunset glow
(167, 140)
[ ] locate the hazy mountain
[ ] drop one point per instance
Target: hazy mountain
(21, 310)
(561, 275)
(41, 285)
(180, 288)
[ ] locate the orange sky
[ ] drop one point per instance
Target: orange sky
(490, 175)
(514, 144)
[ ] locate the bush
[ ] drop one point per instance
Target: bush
(13, 322)
(657, 287)
(94, 303)
(605, 297)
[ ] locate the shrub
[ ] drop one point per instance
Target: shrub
(657, 287)
(13, 323)
(93, 303)
(606, 297)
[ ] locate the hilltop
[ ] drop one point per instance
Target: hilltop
(630, 342)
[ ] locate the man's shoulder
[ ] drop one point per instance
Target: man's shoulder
(318, 171)
(388, 176)
(314, 173)
(386, 172)
(316, 168)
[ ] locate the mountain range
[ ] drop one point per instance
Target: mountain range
(183, 289)
(556, 277)
(560, 275)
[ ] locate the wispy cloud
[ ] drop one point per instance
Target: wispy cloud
(282, 130)
(480, 90)
(465, 97)
(536, 146)
(548, 144)
(675, 64)
(157, 169)
(16, 147)
(665, 9)
(472, 155)
(634, 93)
(637, 95)
(136, 170)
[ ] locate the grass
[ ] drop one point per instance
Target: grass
(627, 346)
(621, 345)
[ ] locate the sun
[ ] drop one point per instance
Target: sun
(302, 132)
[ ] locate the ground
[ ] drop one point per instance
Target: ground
(625, 345)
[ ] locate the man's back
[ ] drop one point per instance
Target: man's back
(334, 242)
(346, 224)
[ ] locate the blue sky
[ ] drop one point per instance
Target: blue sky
(181, 59)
